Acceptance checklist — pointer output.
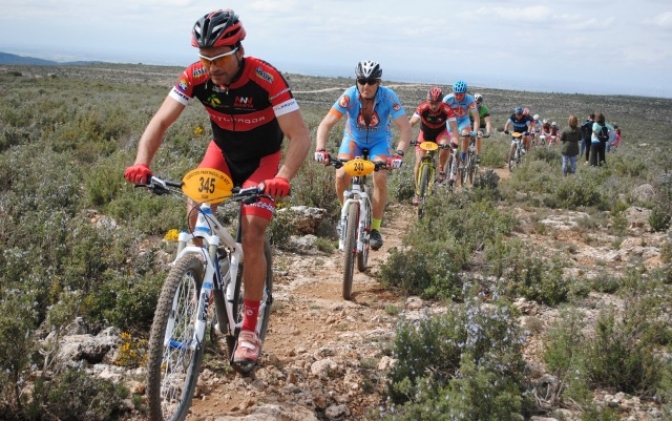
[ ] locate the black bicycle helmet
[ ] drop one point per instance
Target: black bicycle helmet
(368, 69)
(216, 29)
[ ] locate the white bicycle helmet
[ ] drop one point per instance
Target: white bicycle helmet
(536, 117)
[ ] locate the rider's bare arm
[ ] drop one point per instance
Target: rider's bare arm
(488, 125)
(153, 135)
(406, 132)
(327, 123)
(294, 128)
(414, 120)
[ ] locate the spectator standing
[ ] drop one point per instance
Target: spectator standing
(599, 140)
(587, 131)
(570, 139)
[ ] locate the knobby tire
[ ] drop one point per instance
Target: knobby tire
(172, 371)
(350, 250)
(424, 183)
(363, 257)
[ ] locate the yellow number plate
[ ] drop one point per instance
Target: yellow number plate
(516, 134)
(207, 185)
(429, 146)
(358, 167)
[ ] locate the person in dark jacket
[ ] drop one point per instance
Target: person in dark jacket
(570, 139)
(587, 131)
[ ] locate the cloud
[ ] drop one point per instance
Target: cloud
(664, 21)
(531, 14)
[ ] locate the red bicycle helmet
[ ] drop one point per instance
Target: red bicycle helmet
(216, 29)
(435, 94)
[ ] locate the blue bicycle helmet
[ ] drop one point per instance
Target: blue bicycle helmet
(460, 87)
(518, 110)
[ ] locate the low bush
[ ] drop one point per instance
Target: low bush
(466, 364)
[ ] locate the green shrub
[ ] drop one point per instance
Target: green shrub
(73, 395)
(537, 279)
(617, 358)
(466, 364)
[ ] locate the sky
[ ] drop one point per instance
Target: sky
(573, 46)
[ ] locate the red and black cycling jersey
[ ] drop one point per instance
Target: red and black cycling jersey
(432, 123)
(243, 114)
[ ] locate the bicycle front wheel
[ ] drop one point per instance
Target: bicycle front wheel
(424, 183)
(350, 250)
(174, 359)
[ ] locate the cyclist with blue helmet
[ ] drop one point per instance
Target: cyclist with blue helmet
(462, 104)
(369, 109)
(520, 123)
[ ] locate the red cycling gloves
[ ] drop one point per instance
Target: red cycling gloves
(277, 187)
(138, 174)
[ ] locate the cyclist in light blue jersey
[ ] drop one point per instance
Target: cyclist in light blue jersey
(462, 103)
(370, 110)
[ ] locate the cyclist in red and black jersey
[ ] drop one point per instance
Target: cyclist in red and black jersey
(251, 110)
(433, 114)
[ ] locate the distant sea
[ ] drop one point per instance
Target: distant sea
(485, 81)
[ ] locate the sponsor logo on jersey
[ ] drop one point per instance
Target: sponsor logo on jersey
(263, 74)
(286, 107)
(279, 93)
(375, 120)
(459, 111)
(213, 101)
(180, 96)
(238, 119)
(344, 101)
(198, 72)
(396, 107)
(220, 89)
(183, 85)
(243, 102)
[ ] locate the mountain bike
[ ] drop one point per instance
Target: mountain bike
(469, 167)
(427, 172)
(517, 155)
(355, 220)
(200, 275)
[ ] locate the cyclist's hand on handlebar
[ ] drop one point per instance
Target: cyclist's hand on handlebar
(394, 161)
(322, 156)
(138, 174)
(276, 187)
(506, 132)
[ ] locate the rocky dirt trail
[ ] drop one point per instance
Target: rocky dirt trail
(322, 354)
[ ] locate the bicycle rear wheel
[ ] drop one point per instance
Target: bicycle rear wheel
(464, 166)
(350, 250)
(174, 359)
(264, 308)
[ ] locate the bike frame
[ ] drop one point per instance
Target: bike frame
(355, 196)
(212, 272)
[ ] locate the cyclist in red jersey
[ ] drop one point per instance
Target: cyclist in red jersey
(433, 114)
(251, 110)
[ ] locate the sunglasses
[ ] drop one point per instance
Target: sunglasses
(219, 60)
(368, 81)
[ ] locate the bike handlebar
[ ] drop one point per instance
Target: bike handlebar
(441, 146)
(160, 187)
(338, 163)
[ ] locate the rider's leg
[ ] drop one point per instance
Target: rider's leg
(419, 153)
(342, 183)
(379, 198)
